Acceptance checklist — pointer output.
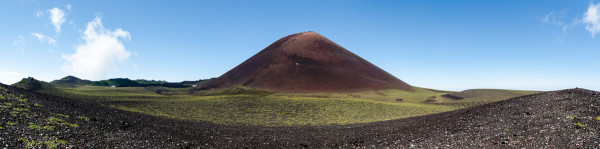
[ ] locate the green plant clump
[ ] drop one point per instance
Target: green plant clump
(580, 124)
(84, 118)
(60, 121)
(47, 127)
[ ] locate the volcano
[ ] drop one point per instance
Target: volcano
(307, 63)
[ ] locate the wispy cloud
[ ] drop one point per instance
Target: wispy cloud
(39, 13)
(554, 18)
(100, 53)
(57, 16)
(68, 6)
(591, 19)
(43, 38)
(20, 42)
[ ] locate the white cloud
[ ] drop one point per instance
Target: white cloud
(592, 19)
(10, 77)
(99, 54)
(39, 13)
(68, 6)
(43, 38)
(20, 40)
(57, 16)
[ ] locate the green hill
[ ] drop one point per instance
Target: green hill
(71, 81)
(37, 86)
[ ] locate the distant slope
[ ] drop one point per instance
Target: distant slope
(71, 81)
(490, 94)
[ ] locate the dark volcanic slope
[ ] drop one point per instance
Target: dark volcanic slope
(547, 119)
(308, 62)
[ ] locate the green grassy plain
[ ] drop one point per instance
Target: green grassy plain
(255, 107)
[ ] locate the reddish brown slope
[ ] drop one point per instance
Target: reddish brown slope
(308, 62)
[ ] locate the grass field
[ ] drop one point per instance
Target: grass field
(273, 109)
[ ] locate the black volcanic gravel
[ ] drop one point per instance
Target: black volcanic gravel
(546, 119)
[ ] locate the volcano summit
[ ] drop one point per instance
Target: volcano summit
(305, 63)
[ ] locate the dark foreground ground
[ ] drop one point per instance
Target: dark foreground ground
(559, 119)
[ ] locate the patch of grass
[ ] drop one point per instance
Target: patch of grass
(1, 127)
(54, 142)
(598, 118)
(59, 121)
(14, 113)
(62, 115)
(31, 143)
(580, 124)
(506, 130)
(47, 127)
(11, 123)
(20, 109)
(38, 105)
(50, 143)
(571, 116)
(83, 118)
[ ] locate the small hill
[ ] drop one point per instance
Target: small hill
(71, 81)
(307, 63)
(36, 85)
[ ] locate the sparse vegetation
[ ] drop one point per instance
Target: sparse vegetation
(247, 106)
(50, 143)
(580, 125)
(59, 121)
(46, 127)
(84, 118)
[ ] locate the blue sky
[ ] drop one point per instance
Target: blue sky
(449, 45)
